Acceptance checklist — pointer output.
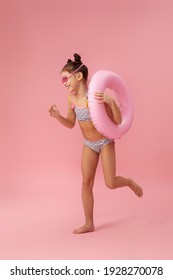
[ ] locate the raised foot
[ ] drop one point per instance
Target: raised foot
(84, 229)
(136, 188)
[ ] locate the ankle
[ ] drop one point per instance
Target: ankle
(89, 223)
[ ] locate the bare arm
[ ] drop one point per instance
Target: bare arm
(111, 107)
(114, 110)
(71, 118)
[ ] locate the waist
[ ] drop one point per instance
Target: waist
(89, 131)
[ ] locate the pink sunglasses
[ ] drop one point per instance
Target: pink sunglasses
(66, 78)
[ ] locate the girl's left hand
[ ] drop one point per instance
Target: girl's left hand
(103, 98)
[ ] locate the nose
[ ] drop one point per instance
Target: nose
(64, 83)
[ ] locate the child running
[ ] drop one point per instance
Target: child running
(74, 76)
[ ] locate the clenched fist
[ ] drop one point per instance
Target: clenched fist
(54, 112)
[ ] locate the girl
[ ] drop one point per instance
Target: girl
(74, 77)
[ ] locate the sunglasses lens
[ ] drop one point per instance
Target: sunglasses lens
(64, 79)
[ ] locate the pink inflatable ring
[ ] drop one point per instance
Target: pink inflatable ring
(101, 81)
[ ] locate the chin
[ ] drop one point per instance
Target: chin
(71, 90)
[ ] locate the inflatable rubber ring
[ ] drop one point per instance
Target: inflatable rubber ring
(100, 81)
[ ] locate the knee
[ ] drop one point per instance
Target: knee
(87, 184)
(110, 183)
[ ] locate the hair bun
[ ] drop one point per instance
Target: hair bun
(69, 61)
(77, 58)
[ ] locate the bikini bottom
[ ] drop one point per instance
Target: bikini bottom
(97, 145)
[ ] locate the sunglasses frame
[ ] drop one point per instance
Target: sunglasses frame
(66, 78)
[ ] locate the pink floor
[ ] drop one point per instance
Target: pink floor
(37, 220)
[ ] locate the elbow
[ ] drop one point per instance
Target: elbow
(71, 125)
(118, 120)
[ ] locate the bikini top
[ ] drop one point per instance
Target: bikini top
(82, 113)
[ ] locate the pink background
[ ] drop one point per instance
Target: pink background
(40, 178)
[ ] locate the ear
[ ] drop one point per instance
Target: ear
(79, 76)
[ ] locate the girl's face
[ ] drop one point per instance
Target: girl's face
(70, 81)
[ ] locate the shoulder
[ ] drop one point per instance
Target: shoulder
(70, 98)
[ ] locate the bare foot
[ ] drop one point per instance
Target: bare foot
(136, 188)
(84, 229)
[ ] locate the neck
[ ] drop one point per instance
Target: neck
(82, 90)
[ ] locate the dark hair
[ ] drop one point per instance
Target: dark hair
(71, 66)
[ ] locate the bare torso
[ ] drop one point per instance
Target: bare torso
(89, 131)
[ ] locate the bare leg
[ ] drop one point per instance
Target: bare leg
(88, 165)
(109, 171)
